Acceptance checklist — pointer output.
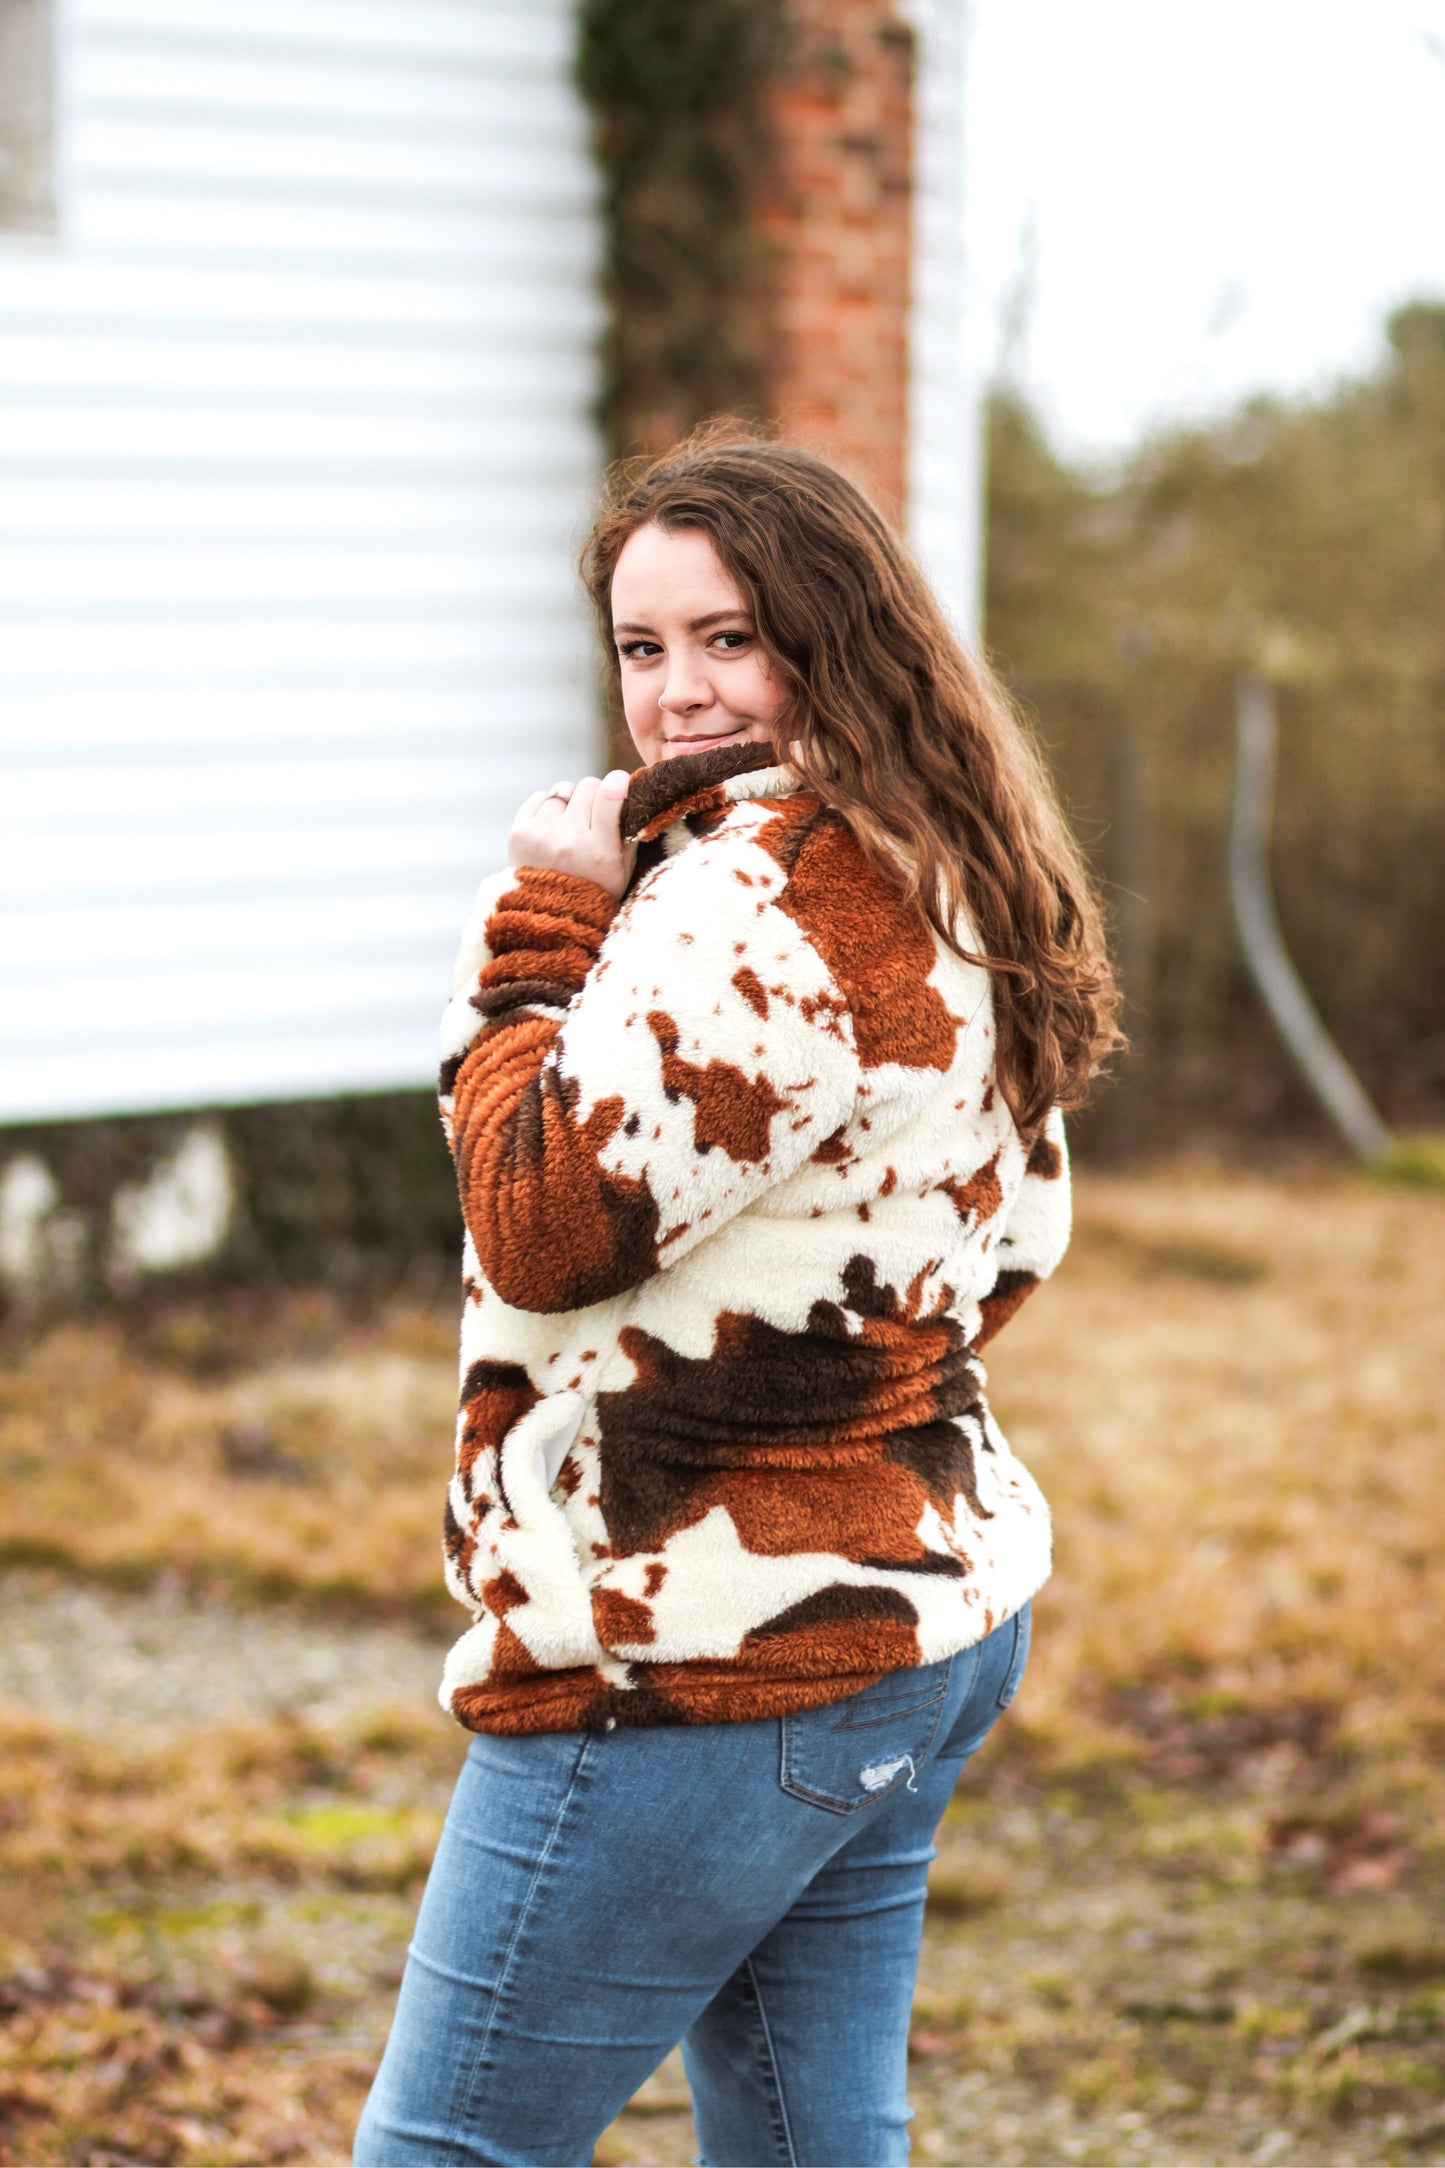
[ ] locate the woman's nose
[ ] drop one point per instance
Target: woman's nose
(686, 689)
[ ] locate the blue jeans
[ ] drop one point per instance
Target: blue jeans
(753, 1890)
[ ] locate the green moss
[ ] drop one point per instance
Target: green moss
(677, 93)
(345, 1193)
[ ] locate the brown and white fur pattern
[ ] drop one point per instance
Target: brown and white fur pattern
(743, 1200)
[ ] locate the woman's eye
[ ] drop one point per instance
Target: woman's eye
(639, 650)
(732, 641)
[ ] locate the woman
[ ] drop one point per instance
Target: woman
(753, 1076)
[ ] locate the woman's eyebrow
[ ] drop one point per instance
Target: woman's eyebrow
(696, 624)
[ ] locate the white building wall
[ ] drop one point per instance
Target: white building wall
(294, 453)
(947, 343)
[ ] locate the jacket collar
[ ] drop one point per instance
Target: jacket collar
(705, 783)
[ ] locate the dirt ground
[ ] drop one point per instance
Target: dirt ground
(1188, 1904)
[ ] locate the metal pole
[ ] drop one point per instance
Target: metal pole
(1295, 1017)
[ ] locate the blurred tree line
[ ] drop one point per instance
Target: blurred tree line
(1306, 542)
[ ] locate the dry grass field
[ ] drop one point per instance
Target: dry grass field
(1188, 1907)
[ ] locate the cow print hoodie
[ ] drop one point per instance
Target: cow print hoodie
(743, 1201)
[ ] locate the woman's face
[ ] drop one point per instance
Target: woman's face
(693, 669)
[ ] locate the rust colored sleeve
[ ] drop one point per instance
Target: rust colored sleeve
(552, 1230)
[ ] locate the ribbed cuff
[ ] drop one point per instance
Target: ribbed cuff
(544, 935)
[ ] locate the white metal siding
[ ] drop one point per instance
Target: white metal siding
(294, 448)
(947, 367)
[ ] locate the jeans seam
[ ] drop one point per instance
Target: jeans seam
(456, 2135)
(1013, 1677)
(774, 2073)
(891, 1716)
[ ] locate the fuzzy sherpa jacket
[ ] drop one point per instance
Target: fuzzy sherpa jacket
(742, 1202)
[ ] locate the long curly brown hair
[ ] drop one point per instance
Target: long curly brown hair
(910, 739)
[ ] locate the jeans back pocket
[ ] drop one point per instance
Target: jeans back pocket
(852, 1751)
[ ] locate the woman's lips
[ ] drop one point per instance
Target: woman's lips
(701, 742)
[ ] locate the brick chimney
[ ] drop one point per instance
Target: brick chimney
(837, 216)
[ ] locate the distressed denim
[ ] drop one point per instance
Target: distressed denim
(754, 1890)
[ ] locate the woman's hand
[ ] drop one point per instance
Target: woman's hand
(576, 828)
